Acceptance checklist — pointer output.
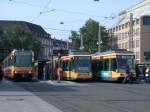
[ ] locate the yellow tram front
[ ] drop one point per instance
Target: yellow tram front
(112, 65)
(76, 67)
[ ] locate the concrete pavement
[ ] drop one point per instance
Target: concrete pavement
(67, 96)
(16, 99)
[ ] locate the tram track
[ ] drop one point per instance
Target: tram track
(130, 88)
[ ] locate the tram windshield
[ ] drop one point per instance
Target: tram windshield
(124, 61)
(82, 63)
(23, 60)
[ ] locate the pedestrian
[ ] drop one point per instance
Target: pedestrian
(59, 69)
(147, 75)
(127, 75)
(59, 73)
(44, 72)
(1, 73)
(138, 72)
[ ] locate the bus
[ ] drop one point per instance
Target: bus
(111, 65)
(18, 64)
(76, 66)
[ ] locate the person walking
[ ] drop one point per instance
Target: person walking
(127, 75)
(147, 75)
(137, 71)
(1, 73)
(59, 69)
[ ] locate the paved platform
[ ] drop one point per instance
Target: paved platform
(16, 99)
(63, 83)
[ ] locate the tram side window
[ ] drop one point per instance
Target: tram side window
(9, 62)
(66, 65)
(106, 64)
(69, 65)
(97, 66)
(113, 65)
(12, 61)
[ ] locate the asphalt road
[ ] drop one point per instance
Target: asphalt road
(87, 96)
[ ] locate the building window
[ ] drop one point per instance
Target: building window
(137, 32)
(119, 27)
(147, 55)
(42, 41)
(110, 30)
(119, 46)
(122, 36)
(119, 36)
(113, 29)
(137, 21)
(137, 43)
(126, 45)
(146, 20)
(126, 35)
(126, 25)
(137, 55)
(133, 44)
(123, 26)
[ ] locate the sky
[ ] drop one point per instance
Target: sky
(72, 13)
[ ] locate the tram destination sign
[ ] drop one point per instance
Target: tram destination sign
(61, 52)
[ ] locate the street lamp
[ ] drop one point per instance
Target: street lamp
(81, 42)
(42, 12)
(131, 33)
(99, 38)
(61, 22)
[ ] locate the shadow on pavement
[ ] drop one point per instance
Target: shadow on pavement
(32, 86)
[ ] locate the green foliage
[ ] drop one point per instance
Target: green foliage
(75, 40)
(18, 38)
(90, 37)
(1, 43)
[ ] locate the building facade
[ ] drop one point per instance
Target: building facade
(61, 44)
(132, 32)
(48, 43)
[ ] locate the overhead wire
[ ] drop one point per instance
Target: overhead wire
(36, 17)
(25, 3)
(72, 12)
(59, 10)
(59, 29)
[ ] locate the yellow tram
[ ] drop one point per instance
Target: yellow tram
(111, 65)
(76, 66)
(18, 64)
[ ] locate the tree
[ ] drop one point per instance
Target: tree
(18, 38)
(75, 37)
(90, 36)
(1, 43)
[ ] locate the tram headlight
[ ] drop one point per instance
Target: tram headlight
(117, 70)
(29, 72)
(15, 72)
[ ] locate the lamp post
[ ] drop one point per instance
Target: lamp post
(81, 42)
(131, 33)
(99, 38)
(99, 33)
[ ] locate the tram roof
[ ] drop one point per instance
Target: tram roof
(77, 52)
(118, 51)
